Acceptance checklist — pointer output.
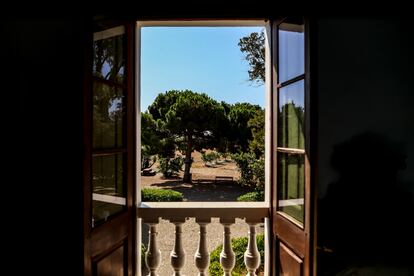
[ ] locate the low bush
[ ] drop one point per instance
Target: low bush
(239, 246)
(160, 195)
(143, 250)
(252, 173)
(252, 196)
(170, 167)
(209, 157)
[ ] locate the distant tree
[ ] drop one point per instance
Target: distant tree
(257, 126)
(239, 131)
(150, 138)
(222, 141)
(193, 120)
(154, 142)
(253, 46)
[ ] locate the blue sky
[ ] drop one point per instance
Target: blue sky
(201, 59)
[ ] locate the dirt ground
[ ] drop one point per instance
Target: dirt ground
(203, 188)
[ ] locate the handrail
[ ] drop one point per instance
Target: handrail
(203, 211)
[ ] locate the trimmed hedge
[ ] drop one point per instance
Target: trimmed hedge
(143, 250)
(239, 246)
(252, 196)
(160, 195)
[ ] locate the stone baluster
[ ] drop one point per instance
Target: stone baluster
(153, 254)
(178, 254)
(252, 256)
(202, 257)
(227, 258)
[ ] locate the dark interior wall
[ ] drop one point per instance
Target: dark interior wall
(365, 75)
(44, 61)
(366, 145)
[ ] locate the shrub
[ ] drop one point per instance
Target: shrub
(160, 195)
(209, 157)
(171, 166)
(239, 246)
(258, 169)
(251, 170)
(143, 250)
(252, 196)
(147, 161)
(224, 155)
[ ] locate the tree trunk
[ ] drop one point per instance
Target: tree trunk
(187, 161)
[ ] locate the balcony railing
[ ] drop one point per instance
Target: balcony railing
(254, 213)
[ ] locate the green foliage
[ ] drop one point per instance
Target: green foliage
(160, 195)
(252, 196)
(243, 161)
(170, 167)
(149, 136)
(209, 157)
(143, 249)
(186, 113)
(225, 155)
(258, 169)
(253, 46)
(251, 170)
(188, 121)
(192, 119)
(153, 142)
(239, 132)
(257, 127)
(239, 246)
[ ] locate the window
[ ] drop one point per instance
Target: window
(154, 80)
(291, 119)
(108, 117)
(208, 213)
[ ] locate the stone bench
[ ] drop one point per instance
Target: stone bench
(223, 178)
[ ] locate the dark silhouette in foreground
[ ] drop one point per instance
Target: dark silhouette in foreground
(365, 220)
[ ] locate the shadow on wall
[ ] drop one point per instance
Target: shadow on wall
(365, 220)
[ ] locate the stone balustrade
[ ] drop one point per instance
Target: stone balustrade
(253, 213)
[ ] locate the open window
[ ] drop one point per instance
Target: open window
(212, 215)
(113, 162)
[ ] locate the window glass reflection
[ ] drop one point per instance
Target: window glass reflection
(108, 115)
(291, 50)
(291, 119)
(109, 58)
(108, 189)
(291, 184)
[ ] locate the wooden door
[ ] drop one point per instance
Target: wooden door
(109, 160)
(292, 203)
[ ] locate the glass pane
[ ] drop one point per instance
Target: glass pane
(108, 187)
(291, 119)
(107, 115)
(109, 58)
(291, 184)
(291, 50)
